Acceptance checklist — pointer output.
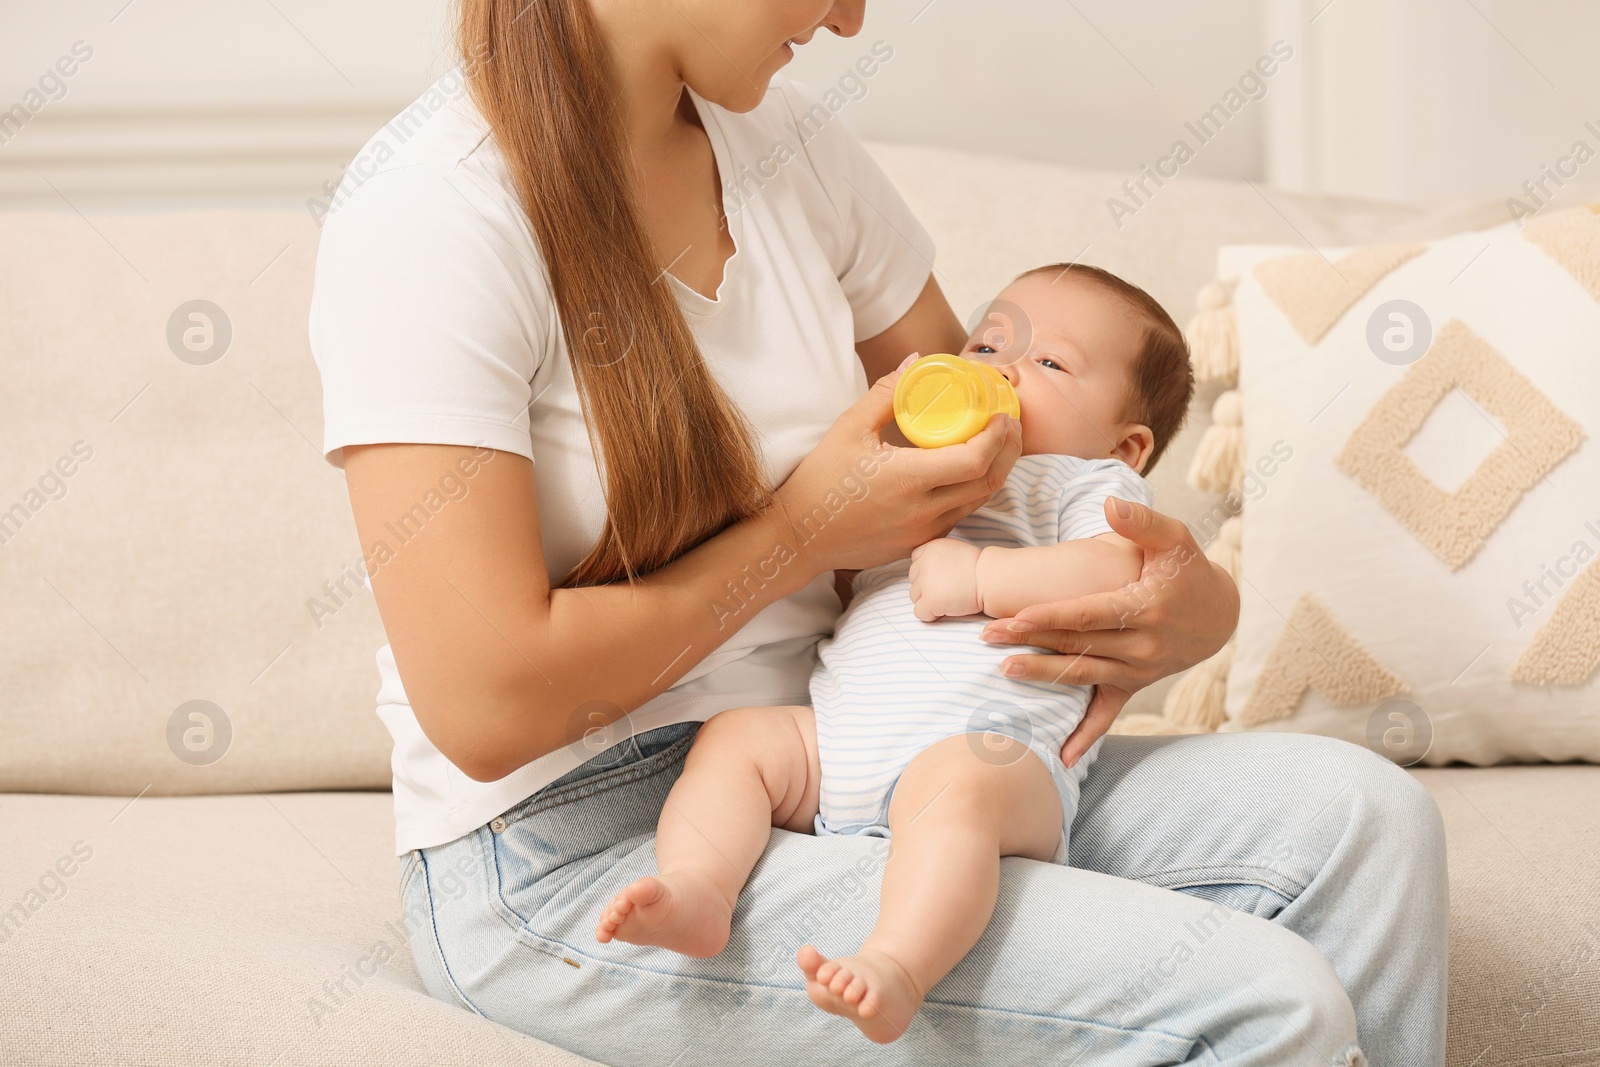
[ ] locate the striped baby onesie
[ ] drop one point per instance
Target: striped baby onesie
(887, 685)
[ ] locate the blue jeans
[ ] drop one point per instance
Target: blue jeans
(1240, 899)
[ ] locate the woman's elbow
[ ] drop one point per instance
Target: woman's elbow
(493, 735)
(482, 766)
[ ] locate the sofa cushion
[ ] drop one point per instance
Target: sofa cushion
(1524, 914)
(248, 930)
(175, 563)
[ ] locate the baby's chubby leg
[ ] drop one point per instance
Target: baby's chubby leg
(960, 805)
(750, 769)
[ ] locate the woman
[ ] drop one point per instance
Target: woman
(633, 249)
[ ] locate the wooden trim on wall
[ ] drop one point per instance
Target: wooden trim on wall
(173, 157)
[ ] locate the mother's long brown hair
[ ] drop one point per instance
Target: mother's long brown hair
(677, 458)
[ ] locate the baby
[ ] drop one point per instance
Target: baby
(914, 732)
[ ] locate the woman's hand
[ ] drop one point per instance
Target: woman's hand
(857, 502)
(1182, 610)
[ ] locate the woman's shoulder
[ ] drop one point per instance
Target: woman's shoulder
(434, 160)
(426, 261)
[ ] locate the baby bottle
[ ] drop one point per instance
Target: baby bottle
(944, 399)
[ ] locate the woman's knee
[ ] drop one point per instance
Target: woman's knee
(1389, 807)
(1302, 1007)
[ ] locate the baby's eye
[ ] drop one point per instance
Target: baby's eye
(983, 349)
(1052, 364)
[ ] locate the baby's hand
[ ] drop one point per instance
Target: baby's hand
(944, 579)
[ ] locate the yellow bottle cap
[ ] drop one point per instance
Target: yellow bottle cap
(944, 399)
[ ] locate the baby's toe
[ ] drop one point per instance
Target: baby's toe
(810, 960)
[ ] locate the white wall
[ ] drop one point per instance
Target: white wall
(186, 101)
(192, 100)
(1104, 83)
(1410, 99)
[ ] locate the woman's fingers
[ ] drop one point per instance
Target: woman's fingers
(1067, 670)
(875, 409)
(1150, 530)
(1098, 611)
(1121, 645)
(929, 492)
(972, 470)
(1103, 710)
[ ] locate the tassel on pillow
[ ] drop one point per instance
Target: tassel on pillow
(1218, 465)
(1213, 336)
(1199, 699)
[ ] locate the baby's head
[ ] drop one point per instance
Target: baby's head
(1101, 370)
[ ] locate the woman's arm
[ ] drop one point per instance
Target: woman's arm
(489, 653)
(1182, 609)
(930, 326)
(497, 665)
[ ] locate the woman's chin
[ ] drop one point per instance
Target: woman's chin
(742, 97)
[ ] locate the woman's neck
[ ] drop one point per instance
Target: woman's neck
(649, 87)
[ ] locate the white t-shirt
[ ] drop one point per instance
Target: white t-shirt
(432, 321)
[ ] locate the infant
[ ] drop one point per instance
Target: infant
(914, 732)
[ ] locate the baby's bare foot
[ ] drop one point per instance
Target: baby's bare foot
(870, 989)
(684, 912)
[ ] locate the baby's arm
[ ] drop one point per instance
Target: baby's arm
(951, 577)
(1010, 579)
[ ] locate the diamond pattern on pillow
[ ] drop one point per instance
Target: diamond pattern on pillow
(1454, 525)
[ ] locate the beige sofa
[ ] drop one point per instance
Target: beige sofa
(170, 534)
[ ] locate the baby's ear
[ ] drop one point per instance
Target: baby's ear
(1135, 446)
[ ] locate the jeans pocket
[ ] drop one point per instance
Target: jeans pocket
(569, 823)
(627, 761)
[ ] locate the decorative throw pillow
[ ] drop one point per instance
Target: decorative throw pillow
(1413, 509)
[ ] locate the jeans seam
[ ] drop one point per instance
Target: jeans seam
(594, 785)
(438, 946)
(599, 962)
(1243, 874)
(408, 871)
